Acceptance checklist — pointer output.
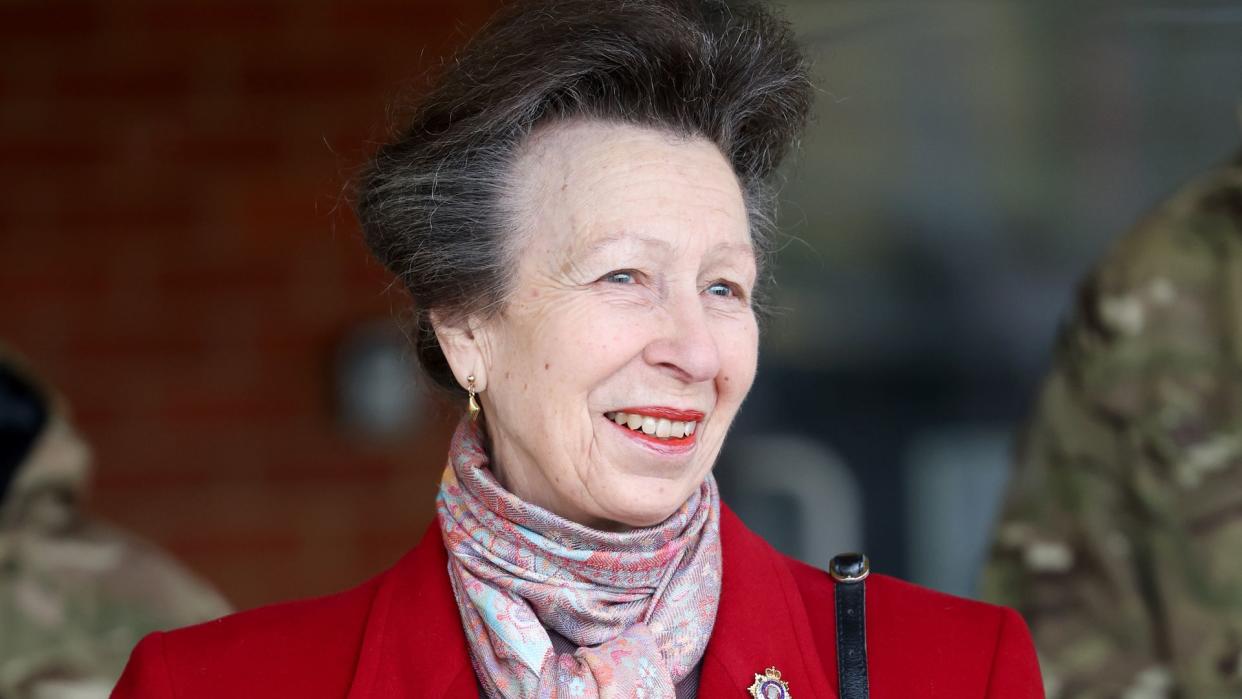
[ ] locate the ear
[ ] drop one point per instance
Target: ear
(462, 347)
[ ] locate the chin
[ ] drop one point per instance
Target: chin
(636, 521)
(648, 513)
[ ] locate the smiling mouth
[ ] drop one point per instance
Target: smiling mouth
(659, 424)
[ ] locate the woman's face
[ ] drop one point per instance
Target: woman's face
(616, 368)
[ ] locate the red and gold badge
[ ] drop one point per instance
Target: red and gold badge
(769, 685)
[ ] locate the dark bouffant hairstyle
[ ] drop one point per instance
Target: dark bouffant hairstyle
(432, 201)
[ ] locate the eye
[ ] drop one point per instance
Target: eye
(725, 289)
(621, 276)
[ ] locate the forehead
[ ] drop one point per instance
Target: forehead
(581, 185)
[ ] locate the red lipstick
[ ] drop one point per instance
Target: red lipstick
(669, 446)
(667, 413)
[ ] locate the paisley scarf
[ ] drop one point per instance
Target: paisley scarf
(640, 605)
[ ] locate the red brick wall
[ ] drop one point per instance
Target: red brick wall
(176, 258)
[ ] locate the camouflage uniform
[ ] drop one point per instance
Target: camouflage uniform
(1121, 542)
(76, 595)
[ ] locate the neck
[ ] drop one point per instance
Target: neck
(529, 490)
(532, 486)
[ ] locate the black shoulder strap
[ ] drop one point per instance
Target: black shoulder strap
(850, 570)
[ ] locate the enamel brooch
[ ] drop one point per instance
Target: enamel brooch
(769, 685)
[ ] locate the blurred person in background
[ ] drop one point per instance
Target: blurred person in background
(579, 211)
(75, 594)
(1121, 542)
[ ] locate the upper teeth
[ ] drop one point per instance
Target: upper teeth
(656, 426)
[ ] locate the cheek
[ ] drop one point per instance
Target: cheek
(579, 344)
(739, 358)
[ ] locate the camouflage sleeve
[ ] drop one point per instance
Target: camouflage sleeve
(1062, 560)
(1120, 539)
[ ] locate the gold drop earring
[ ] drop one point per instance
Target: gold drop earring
(472, 405)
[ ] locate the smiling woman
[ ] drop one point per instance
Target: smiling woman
(632, 288)
(580, 211)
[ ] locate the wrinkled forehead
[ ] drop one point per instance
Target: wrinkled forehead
(579, 185)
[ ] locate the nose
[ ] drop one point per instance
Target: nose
(686, 345)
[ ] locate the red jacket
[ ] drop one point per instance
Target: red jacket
(399, 635)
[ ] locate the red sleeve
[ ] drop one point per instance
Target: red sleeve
(146, 673)
(1015, 668)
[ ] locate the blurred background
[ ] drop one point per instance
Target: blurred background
(180, 261)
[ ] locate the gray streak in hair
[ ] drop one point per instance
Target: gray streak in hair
(432, 201)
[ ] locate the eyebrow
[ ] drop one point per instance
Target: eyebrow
(616, 238)
(739, 248)
(659, 244)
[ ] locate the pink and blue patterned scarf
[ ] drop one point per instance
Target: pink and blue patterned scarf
(640, 605)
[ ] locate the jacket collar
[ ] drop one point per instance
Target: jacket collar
(414, 644)
(762, 622)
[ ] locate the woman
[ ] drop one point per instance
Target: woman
(579, 210)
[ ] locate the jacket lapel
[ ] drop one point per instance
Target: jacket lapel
(414, 645)
(761, 622)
